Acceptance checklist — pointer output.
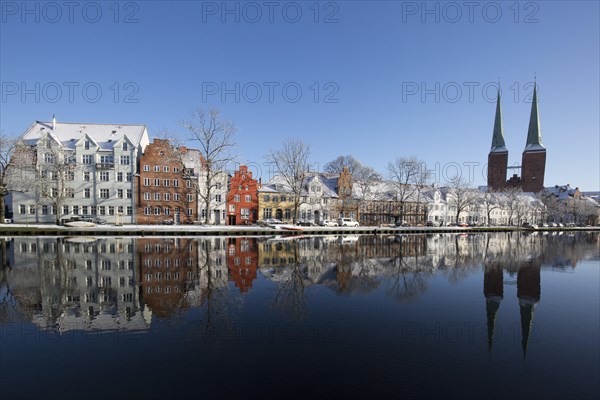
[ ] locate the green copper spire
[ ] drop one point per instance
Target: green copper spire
(498, 144)
(534, 135)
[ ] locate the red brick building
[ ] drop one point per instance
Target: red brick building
(165, 193)
(242, 198)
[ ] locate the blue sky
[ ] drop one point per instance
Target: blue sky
(378, 79)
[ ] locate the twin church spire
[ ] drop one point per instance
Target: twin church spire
(534, 156)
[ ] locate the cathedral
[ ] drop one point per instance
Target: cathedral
(533, 163)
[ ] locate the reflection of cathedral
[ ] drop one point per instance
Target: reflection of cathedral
(528, 293)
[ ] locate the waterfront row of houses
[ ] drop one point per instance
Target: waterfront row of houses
(115, 172)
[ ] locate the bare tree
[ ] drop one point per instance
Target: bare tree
(511, 201)
(337, 166)
(291, 163)
(214, 136)
(408, 175)
(461, 196)
(7, 148)
(490, 203)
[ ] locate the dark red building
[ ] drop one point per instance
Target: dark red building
(242, 198)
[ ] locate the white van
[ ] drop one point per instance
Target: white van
(347, 222)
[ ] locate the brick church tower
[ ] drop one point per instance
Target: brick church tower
(533, 165)
(498, 157)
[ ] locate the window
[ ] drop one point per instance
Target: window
(190, 197)
(248, 198)
(70, 193)
(86, 176)
(124, 160)
(48, 157)
(188, 184)
(157, 196)
(101, 210)
(167, 211)
(86, 145)
(129, 193)
(146, 168)
(175, 182)
(267, 197)
(245, 212)
(120, 193)
(218, 198)
(44, 209)
(84, 210)
(129, 177)
(176, 170)
(125, 146)
(156, 182)
(87, 158)
(70, 175)
(111, 210)
(86, 193)
(146, 181)
(129, 210)
(156, 210)
(119, 177)
(176, 197)
(156, 168)
(31, 209)
(167, 196)
(22, 209)
(165, 169)
(146, 195)
(236, 198)
(232, 208)
(190, 212)
(104, 176)
(104, 193)
(107, 159)
(146, 210)
(166, 182)
(65, 210)
(120, 210)
(267, 213)
(93, 208)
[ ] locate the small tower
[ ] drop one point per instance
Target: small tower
(498, 156)
(533, 165)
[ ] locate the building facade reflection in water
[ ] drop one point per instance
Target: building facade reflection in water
(123, 283)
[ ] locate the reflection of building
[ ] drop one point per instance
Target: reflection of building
(493, 290)
(242, 261)
(167, 269)
(82, 283)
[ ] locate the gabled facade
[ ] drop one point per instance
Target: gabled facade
(77, 169)
(165, 193)
(242, 198)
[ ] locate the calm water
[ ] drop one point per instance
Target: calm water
(494, 315)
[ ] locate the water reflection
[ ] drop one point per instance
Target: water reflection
(121, 284)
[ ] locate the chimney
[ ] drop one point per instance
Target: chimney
(53, 122)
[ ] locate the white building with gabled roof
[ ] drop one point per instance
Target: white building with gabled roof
(68, 169)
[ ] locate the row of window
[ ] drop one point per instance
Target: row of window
(157, 169)
(87, 144)
(156, 196)
(244, 212)
(166, 211)
(107, 159)
(103, 176)
(166, 182)
(76, 210)
(237, 198)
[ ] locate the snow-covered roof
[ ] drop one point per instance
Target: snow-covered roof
(69, 133)
(327, 182)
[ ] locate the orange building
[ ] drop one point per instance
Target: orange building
(242, 198)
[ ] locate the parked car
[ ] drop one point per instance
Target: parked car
(401, 223)
(328, 222)
(7, 221)
(305, 223)
(463, 224)
(430, 223)
(348, 222)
